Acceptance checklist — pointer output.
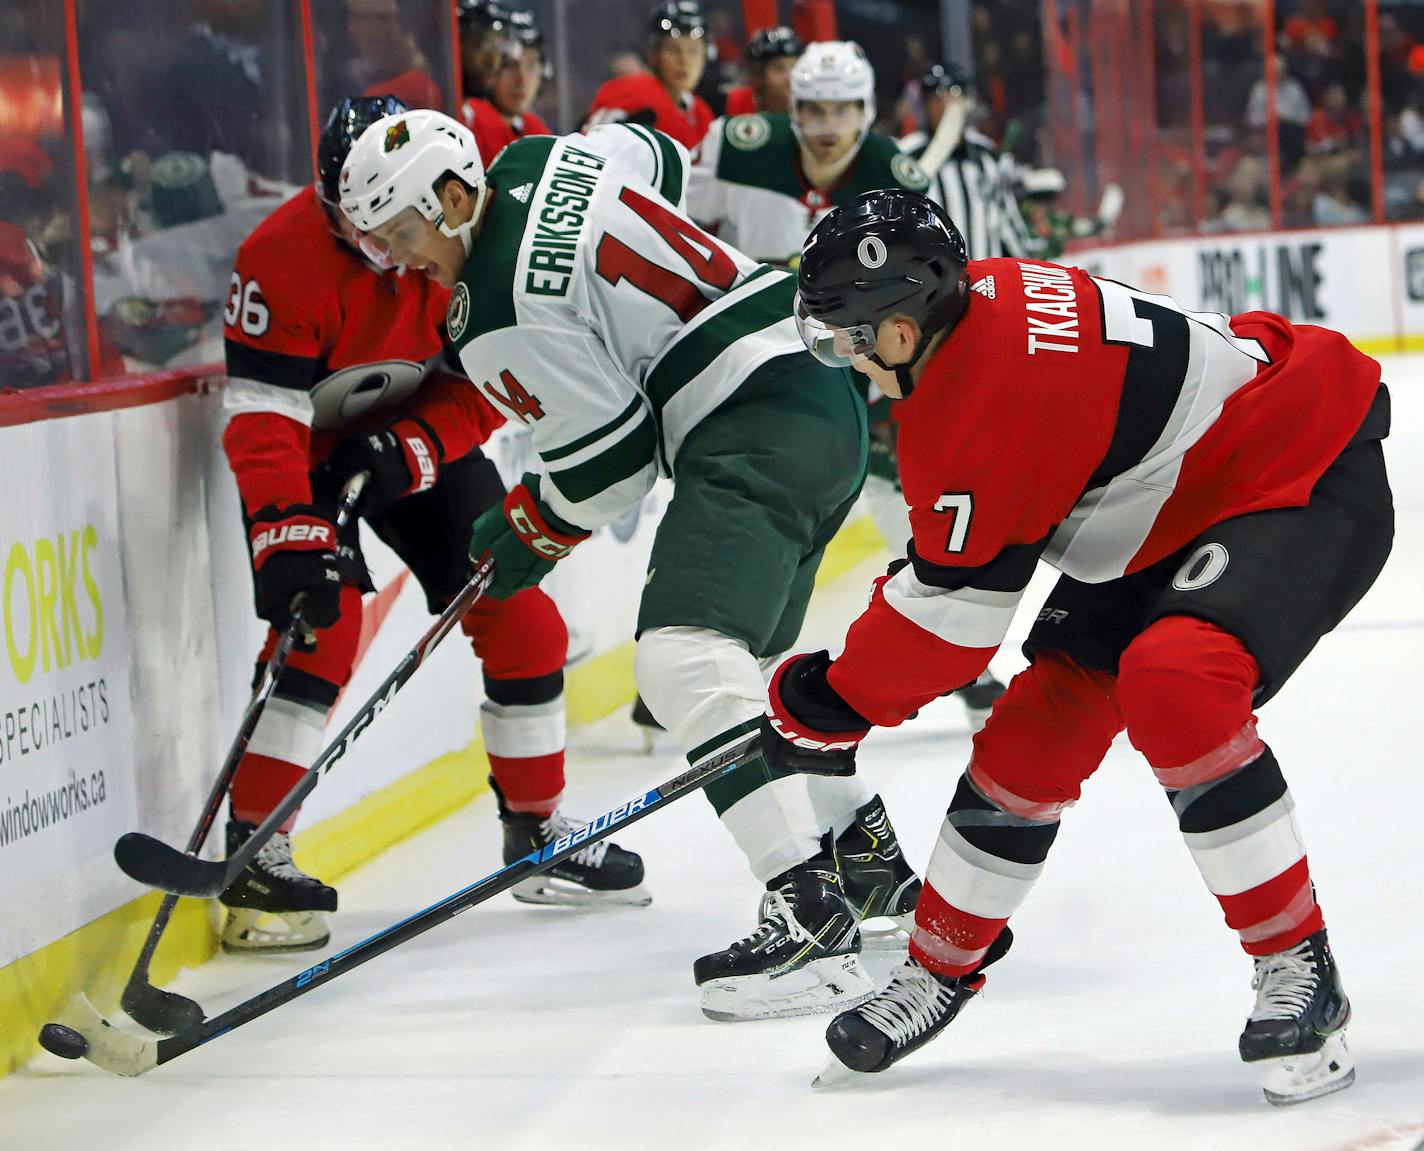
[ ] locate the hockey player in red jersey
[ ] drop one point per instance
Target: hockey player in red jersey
(504, 115)
(1212, 489)
(335, 367)
(665, 98)
(771, 54)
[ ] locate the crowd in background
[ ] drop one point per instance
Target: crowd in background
(197, 121)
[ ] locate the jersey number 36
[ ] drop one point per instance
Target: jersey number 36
(246, 309)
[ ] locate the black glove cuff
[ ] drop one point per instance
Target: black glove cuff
(808, 696)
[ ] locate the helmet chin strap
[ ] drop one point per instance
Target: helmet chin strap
(902, 372)
(464, 232)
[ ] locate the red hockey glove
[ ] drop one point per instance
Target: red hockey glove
(525, 538)
(402, 460)
(294, 550)
(809, 727)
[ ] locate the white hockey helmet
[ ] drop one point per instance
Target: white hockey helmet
(396, 164)
(834, 70)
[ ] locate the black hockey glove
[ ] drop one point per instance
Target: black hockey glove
(401, 460)
(809, 727)
(294, 551)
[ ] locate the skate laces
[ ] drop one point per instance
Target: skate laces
(559, 825)
(275, 858)
(908, 1006)
(1284, 983)
(776, 911)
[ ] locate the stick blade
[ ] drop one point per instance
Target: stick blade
(110, 1049)
(155, 863)
(163, 1012)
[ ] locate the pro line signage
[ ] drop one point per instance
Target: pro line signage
(66, 748)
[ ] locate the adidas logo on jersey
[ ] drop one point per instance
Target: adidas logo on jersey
(984, 287)
(522, 193)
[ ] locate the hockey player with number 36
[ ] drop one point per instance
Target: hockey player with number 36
(337, 365)
(632, 344)
(1212, 489)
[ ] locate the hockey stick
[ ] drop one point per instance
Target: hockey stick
(151, 861)
(164, 1011)
(83, 1033)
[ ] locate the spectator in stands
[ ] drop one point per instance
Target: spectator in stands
(1245, 209)
(1334, 126)
(1292, 113)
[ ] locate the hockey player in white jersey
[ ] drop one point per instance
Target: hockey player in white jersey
(588, 306)
(763, 181)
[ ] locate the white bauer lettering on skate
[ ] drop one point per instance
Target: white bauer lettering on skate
(558, 216)
(1049, 291)
(265, 541)
(606, 820)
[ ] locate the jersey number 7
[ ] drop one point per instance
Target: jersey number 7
(708, 262)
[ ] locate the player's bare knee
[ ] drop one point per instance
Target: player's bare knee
(1185, 686)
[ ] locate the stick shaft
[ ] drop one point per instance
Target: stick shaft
(506, 877)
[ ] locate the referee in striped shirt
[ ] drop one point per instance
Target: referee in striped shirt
(972, 185)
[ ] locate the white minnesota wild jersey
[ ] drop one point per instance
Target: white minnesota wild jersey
(747, 183)
(594, 311)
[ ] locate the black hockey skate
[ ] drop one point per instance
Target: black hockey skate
(602, 873)
(879, 884)
(978, 699)
(915, 1007)
(803, 956)
(273, 906)
(1296, 1032)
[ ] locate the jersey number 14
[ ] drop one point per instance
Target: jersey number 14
(708, 262)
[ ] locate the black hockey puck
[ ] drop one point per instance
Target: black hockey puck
(63, 1041)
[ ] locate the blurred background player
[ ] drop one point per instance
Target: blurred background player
(1049, 225)
(666, 97)
(505, 115)
(648, 347)
(763, 181)
(311, 324)
(484, 30)
(770, 56)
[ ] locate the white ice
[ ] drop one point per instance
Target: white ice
(1112, 1024)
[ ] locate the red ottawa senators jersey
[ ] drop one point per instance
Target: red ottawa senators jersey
(637, 98)
(741, 101)
(320, 345)
(1082, 422)
(493, 130)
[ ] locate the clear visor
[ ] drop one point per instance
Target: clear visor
(836, 347)
(376, 250)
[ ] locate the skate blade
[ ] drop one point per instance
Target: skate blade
(1300, 1078)
(837, 983)
(886, 933)
(252, 932)
(551, 891)
(836, 1076)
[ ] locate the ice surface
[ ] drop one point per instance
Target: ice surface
(1111, 1025)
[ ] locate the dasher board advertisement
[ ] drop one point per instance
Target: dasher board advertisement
(66, 738)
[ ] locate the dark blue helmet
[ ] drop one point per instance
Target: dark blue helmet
(343, 128)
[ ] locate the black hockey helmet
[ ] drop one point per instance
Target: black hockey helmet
(887, 252)
(947, 79)
(479, 16)
(352, 116)
(677, 18)
(773, 44)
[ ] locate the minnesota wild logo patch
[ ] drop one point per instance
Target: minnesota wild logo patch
(909, 173)
(748, 132)
(458, 313)
(397, 136)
